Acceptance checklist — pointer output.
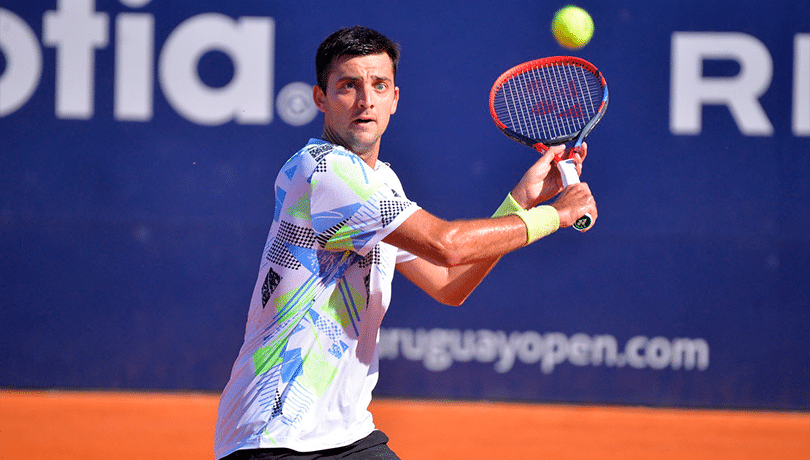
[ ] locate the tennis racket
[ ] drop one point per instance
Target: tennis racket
(551, 101)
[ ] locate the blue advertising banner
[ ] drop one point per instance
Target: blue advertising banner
(139, 143)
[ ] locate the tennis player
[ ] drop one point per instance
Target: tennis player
(302, 382)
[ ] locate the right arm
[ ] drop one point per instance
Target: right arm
(450, 265)
(460, 242)
(455, 256)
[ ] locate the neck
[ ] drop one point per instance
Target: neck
(368, 155)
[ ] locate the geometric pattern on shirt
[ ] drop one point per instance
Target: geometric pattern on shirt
(280, 255)
(305, 256)
(310, 380)
(317, 372)
(330, 328)
(320, 151)
(289, 234)
(390, 209)
(269, 380)
(281, 194)
(298, 236)
(348, 239)
(353, 174)
(269, 356)
(346, 306)
(327, 234)
(321, 221)
(367, 283)
(373, 258)
(270, 284)
(297, 401)
(301, 209)
(276, 406)
(290, 171)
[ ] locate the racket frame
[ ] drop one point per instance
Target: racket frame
(541, 145)
(564, 161)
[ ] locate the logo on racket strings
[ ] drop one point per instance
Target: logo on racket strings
(543, 108)
(549, 99)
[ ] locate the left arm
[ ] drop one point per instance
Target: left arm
(448, 285)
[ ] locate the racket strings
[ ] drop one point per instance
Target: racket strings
(550, 102)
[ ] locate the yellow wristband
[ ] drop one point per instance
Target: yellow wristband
(540, 221)
(509, 206)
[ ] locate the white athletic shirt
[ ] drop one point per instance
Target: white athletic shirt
(305, 372)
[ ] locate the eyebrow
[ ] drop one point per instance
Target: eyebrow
(357, 77)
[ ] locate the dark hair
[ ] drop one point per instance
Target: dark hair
(352, 41)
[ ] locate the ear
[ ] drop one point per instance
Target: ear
(318, 96)
(396, 100)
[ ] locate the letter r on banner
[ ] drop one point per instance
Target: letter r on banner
(690, 90)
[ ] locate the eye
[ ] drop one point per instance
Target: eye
(381, 86)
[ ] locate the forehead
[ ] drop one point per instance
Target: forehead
(372, 65)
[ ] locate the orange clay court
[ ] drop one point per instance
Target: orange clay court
(69, 425)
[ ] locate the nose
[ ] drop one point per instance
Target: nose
(365, 97)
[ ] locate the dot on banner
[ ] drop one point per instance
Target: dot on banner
(294, 104)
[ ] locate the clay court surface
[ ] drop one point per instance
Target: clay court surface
(109, 425)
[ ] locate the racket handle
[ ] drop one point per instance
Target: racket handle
(568, 171)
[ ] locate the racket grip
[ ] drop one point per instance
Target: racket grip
(568, 171)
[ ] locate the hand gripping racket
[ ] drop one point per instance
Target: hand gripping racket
(551, 101)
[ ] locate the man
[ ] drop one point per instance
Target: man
(301, 385)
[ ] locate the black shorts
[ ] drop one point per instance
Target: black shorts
(372, 447)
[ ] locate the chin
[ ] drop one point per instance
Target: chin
(361, 145)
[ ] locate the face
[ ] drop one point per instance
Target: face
(359, 100)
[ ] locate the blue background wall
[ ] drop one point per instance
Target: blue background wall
(129, 248)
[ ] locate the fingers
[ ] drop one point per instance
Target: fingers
(574, 202)
(579, 155)
(540, 182)
(551, 153)
(541, 167)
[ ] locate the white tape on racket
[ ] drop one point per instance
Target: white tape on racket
(568, 171)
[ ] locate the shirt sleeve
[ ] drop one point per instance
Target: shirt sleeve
(404, 256)
(352, 207)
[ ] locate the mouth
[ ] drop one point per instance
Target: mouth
(363, 120)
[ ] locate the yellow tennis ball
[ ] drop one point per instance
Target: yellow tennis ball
(572, 27)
